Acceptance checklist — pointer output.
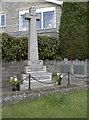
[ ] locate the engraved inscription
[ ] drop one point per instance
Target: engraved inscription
(42, 77)
(36, 69)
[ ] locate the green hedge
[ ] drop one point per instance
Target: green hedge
(49, 48)
(17, 48)
(88, 29)
(73, 31)
(14, 48)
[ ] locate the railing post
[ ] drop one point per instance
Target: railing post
(59, 81)
(29, 82)
(68, 78)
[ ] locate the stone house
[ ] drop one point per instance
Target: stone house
(12, 17)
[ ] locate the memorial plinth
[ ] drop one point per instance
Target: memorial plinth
(33, 65)
(37, 71)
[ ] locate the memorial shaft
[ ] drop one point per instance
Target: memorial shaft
(32, 41)
(32, 38)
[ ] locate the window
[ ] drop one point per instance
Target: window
(24, 23)
(48, 19)
(2, 20)
(39, 22)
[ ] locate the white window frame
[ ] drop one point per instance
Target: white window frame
(49, 9)
(0, 20)
(40, 10)
(22, 13)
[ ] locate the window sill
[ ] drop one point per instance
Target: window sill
(40, 31)
(47, 30)
(3, 26)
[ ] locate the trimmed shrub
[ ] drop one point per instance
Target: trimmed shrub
(73, 31)
(17, 48)
(14, 48)
(49, 48)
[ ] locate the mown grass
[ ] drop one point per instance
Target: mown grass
(57, 105)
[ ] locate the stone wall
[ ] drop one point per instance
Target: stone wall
(10, 69)
(76, 67)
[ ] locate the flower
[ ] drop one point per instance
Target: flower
(58, 74)
(15, 79)
(11, 80)
(61, 76)
(11, 77)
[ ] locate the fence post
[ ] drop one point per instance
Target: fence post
(68, 78)
(29, 82)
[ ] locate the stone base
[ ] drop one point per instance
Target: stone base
(38, 71)
(34, 85)
(32, 69)
(41, 77)
(39, 62)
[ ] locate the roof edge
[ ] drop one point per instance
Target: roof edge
(55, 1)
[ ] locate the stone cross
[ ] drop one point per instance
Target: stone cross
(32, 39)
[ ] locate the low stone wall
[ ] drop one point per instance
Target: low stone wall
(76, 67)
(73, 66)
(31, 95)
(10, 69)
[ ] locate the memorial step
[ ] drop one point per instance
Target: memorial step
(37, 80)
(39, 76)
(35, 85)
(33, 69)
(37, 62)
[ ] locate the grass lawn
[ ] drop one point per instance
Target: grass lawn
(57, 105)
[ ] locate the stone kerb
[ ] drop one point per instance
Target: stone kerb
(31, 95)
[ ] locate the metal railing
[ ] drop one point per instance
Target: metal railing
(59, 80)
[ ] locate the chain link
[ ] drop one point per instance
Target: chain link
(25, 78)
(41, 81)
(45, 82)
(79, 76)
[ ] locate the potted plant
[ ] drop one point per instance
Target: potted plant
(57, 78)
(15, 83)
